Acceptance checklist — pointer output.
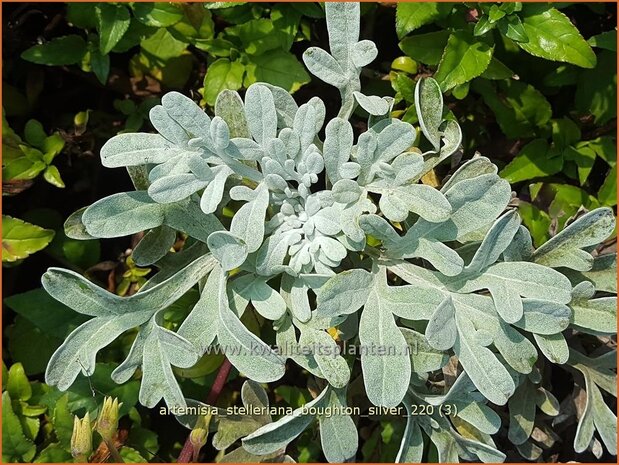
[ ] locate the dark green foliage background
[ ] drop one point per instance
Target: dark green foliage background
(86, 74)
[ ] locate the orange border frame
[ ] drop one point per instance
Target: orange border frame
(289, 1)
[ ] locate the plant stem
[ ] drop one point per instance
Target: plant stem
(114, 454)
(220, 380)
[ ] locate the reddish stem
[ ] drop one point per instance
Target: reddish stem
(220, 380)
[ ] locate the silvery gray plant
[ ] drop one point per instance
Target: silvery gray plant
(340, 233)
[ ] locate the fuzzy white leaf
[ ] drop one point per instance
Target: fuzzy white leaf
(229, 250)
(251, 356)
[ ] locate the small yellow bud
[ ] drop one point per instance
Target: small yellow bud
(198, 435)
(81, 439)
(107, 423)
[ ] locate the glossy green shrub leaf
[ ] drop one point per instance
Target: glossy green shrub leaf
(412, 16)
(112, 23)
(464, 58)
(21, 239)
(280, 68)
(535, 160)
(594, 96)
(223, 74)
(66, 50)
(157, 14)
(15, 445)
(426, 48)
(552, 36)
(519, 108)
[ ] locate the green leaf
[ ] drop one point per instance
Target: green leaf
(100, 65)
(195, 25)
(112, 23)
(130, 455)
(16, 446)
(495, 13)
(607, 195)
(54, 453)
(584, 157)
(464, 58)
(483, 25)
(606, 40)
(21, 168)
(425, 48)
(519, 107)
(512, 27)
(162, 46)
(411, 16)
(46, 313)
(82, 15)
(33, 357)
(157, 14)
(136, 33)
(18, 385)
(537, 222)
(80, 393)
(62, 419)
(222, 74)
(34, 133)
(279, 68)
(52, 146)
(496, 70)
(66, 50)
(563, 75)
(596, 90)
(552, 36)
(534, 160)
(21, 239)
(260, 36)
(52, 176)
